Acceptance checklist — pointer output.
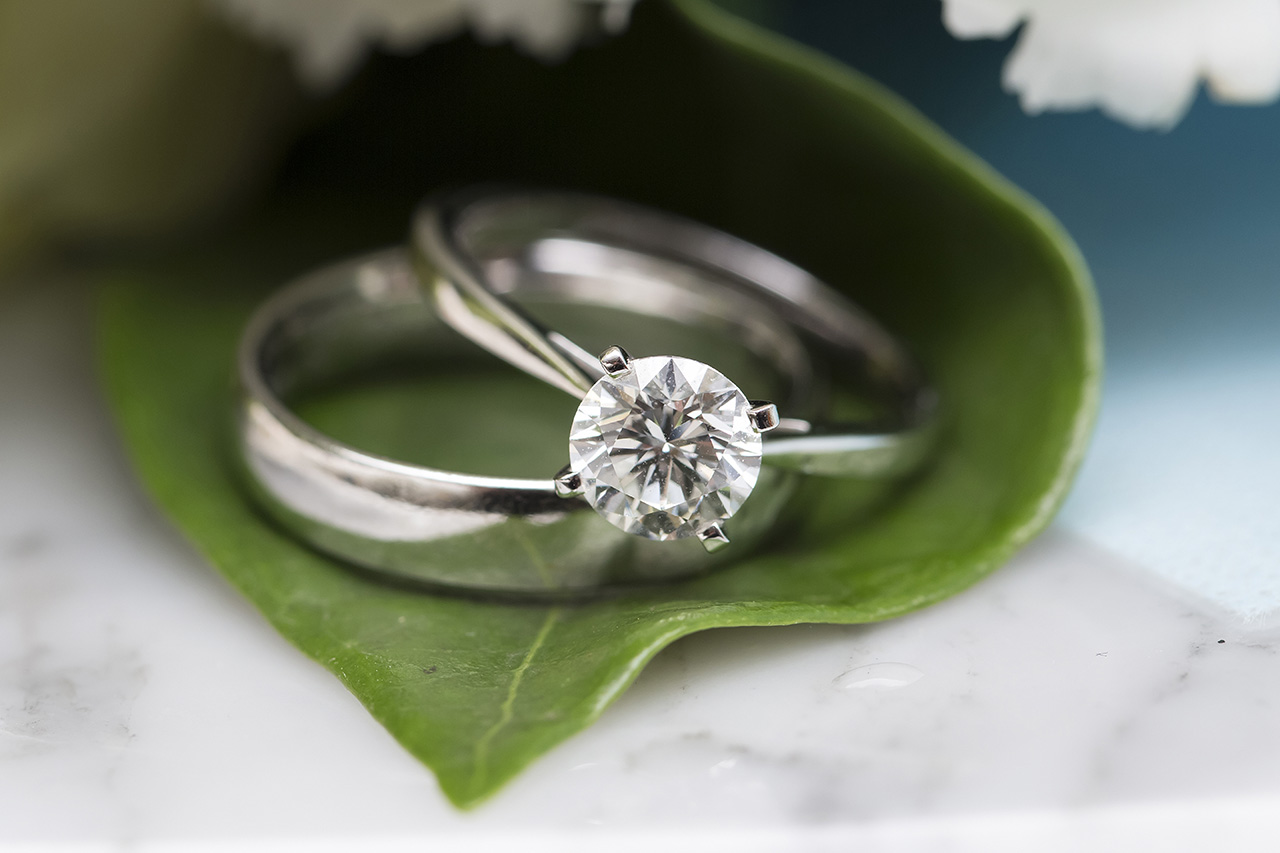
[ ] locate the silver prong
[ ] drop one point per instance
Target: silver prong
(763, 415)
(569, 483)
(615, 361)
(713, 538)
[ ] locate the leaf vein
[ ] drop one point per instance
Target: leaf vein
(481, 754)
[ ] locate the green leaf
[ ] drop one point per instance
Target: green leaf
(692, 111)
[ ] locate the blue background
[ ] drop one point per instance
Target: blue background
(1182, 232)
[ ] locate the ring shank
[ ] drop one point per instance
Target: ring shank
(599, 242)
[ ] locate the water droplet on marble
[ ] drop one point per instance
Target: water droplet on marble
(722, 767)
(878, 675)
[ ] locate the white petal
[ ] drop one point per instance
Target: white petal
(971, 19)
(1242, 57)
(1139, 67)
(1140, 61)
(545, 28)
(329, 38)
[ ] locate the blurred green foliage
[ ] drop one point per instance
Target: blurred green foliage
(129, 119)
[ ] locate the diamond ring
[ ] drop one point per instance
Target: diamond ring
(664, 447)
(452, 528)
(663, 450)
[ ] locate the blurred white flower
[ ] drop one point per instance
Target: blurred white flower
(1140, 61)
(329, 38)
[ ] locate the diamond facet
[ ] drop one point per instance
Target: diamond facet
(666, 448)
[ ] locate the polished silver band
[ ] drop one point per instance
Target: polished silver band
(486, 265)
(471, 248)
(441, 527)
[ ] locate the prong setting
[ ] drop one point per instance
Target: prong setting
(713, 538)
(665, 450)
(763, 415)
(615, 361)
(569, 483)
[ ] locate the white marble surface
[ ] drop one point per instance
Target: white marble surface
(1072, 701)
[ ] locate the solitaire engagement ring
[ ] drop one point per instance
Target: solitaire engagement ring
(664, 448)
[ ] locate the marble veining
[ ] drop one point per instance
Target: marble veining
(883, 675)
(47, 697)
